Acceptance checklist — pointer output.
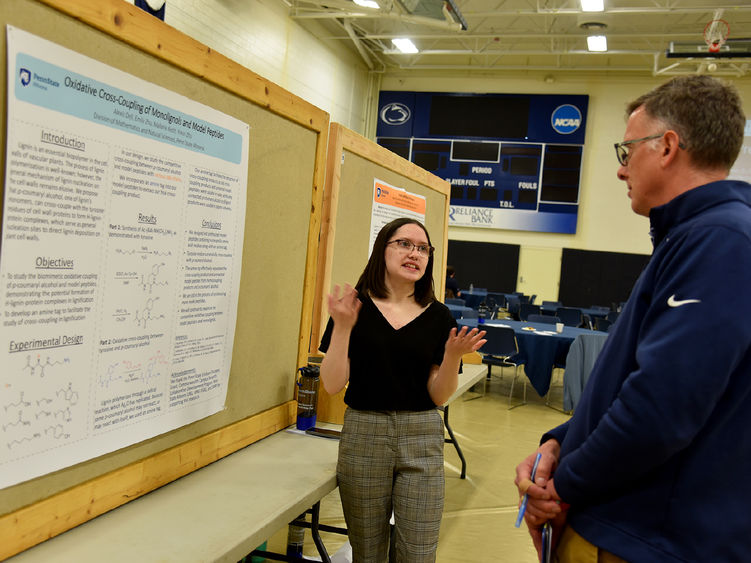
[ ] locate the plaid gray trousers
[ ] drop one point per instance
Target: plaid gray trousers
(392, 460)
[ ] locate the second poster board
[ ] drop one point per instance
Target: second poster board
(353, 166)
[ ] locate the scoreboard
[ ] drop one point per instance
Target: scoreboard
(513, 160)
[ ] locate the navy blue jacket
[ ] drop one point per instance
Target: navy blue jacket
(656, 461)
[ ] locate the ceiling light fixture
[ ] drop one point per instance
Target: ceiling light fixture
(597, 43)
(367, 4)
(593, 26)
(404, 45)
(593, 5)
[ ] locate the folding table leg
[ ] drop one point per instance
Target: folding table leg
(452, 440)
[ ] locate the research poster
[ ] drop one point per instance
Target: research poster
(122, 236)
(391, 202)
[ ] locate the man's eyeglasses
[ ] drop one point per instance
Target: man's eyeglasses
(408, 245)
(623, 153)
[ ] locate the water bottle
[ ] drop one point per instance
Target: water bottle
(482, 313)
(307, 396)
(295, 540)
(471, 288)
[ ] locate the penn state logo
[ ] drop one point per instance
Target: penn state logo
(25, 76)
(395, 113)
(566, 119)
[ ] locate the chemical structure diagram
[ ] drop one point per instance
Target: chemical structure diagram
(20, 403)
(39, 368)
(143, 252)
(146, 314)
(143, 273)
(29, 417)
(57, 431)
(146, 281)
(63, 414)
(68, 394)
(141, 316)
(126, 371)
(17, 422)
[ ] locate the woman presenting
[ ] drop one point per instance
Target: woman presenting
(400, 352)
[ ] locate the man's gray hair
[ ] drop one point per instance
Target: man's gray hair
(707, 114)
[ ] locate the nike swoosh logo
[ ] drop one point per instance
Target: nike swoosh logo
(673, 302)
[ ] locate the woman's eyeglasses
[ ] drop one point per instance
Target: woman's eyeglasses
(408, 245)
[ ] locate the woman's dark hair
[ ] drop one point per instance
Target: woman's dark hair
(373, 278)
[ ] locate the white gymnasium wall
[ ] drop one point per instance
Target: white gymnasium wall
(259, 35)
(742, 168)
(605, 220)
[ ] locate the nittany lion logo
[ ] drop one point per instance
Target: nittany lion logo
(25, 75)
(395, 113)
(566, 119)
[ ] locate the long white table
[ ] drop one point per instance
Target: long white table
(218, 513)
(471, 374)
(222, 511)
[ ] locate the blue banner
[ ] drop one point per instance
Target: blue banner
(49, 86)
(513, 160)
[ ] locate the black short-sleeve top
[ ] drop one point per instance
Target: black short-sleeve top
(389, 368)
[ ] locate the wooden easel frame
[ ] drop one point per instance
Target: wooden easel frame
(341, 139)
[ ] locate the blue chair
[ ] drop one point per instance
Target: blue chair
(497, 300)
(602, 324)
(454, 301)
(469, 314)
(601, 309)
(570, 316)
(502, 350)
(547, 319)
(549, 307)
(612, 316)
(512, 306)
(473, 300)
(527, 309)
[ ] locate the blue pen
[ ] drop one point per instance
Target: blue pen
(523, 505)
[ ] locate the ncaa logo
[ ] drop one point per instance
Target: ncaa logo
(25, 75)
(395, 113)
(566, 119)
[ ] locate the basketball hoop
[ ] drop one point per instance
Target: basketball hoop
(715, 34)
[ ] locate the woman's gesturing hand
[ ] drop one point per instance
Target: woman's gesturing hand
(463, 341)
(344, 309)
